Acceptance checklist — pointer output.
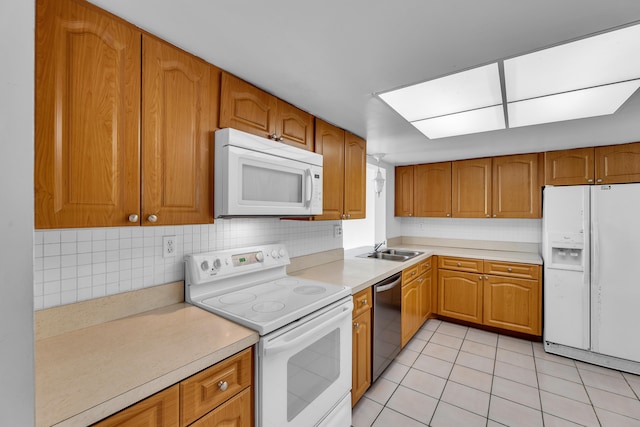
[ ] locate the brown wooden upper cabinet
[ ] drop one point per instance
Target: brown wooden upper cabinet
(611, 164)
(471, 188)
(432, 189)
(344, 170)
(247, 108)
(516, 187)
(404, 190)
(90, 70)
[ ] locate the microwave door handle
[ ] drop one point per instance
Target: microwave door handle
(311, 333)
(309, 187)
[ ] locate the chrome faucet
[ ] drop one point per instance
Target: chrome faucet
(376, 246)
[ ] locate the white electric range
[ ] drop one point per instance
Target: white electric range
(303, 357)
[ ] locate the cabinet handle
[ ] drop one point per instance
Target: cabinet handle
(356, 325)
(133, 218)
(488, 216)
(410, 214)
(273, 136)
(413, 273)
(348, 216)
(494, 215)
(152, 218)
(599, 180)
(590, 180)
(458, 264)
(480, 277)
(419, 280)
(363, 302)
(486, 277)
(448, 214)
(280, 139)
(426, 265)
(509, 269)
(223, 385)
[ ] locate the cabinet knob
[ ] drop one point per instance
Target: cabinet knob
(486, 277)
(458, 264)
(280, 139)
(356, 325)
(599, 180)
(590, 180)
(223, 385)
(419, 280)
(426, 265)
(448, 214)
(363, 302)
(509, 269)
(413, 273)
(488, 216)
(273, 136)
(133, 218)
(410, 215)
(494, 215)
(348, 216)
(152, 218)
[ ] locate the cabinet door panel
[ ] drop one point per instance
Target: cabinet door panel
(295, 126)
(87, 117)
(432, 190)
(471, 188)
(516, 190)
(512, 304)
(361, 348)
(330, 143)
(410, 310)
(236, 412)
(569, 167)
(247, 108)
(460, 295)
(177, 138)
(618, 163)
(404, 191)
(425, 297)
(159, 410)
(355, 175)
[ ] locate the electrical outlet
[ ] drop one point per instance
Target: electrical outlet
(168, 246)
(337, 230)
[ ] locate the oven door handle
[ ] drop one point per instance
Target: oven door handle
(311, 334)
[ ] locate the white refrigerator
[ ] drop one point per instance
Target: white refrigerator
(591, 252)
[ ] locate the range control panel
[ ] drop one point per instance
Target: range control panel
(210, 266)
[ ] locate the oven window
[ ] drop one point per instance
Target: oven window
(311, 371)
(269, 185)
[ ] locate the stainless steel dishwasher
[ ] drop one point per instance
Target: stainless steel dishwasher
(387, 296)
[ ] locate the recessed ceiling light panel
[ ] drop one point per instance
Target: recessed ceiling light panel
(602, 59)
(597, 101)
(481, 120)
(467, 90)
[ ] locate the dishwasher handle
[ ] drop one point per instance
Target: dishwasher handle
(386, 287)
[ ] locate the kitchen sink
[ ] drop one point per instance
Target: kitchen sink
(391, 255)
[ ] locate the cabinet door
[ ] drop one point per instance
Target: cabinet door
(516, 188)
(618, 163)
(159, 410)
(177, 136)
(404, 191)
(361, 353)
(355, 176)
(425, 285)
(471, 188)
(330, 143)
(460, 295)
(247, 108)
(432, 190)
(512, 304)
(569, 167)
(294, 126)
(236, 412)
(87, 117)
(410, 310)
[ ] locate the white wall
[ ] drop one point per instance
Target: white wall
(16, 214)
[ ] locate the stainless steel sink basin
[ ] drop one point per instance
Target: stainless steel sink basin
(391, 255)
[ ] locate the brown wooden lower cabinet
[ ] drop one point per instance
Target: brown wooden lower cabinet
(361, 345)
(200, 400)
(509, 297)
(417, 294)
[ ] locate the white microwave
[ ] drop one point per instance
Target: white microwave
(255, 176)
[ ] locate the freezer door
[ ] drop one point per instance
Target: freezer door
(615, 284)
(565, 251)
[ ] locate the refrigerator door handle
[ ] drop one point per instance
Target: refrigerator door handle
(595, 291)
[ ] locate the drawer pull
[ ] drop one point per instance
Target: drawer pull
(427, 265)
(509, 269)
(356, 325)
(413, 273)
(223, 385)
(133, 218)
(458, 264)
(363, 302)
(486, 277)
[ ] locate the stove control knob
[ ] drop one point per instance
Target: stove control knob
(204, 265)
(274, 254)
(259, 256)
(282, 253)
(217, 264)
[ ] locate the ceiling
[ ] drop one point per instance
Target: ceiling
(330, 58)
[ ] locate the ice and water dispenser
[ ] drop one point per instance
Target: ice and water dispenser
(567, 251)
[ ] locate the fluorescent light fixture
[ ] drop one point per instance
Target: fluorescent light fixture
(594, 61)
(467, 90)
(591, 102)
(474, 121)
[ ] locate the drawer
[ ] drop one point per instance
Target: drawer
(236, 411)
(409, 274)
(511, 269)
(202, 392)
(159, 409)
(425, 265)
(362, 301)
(460, 264)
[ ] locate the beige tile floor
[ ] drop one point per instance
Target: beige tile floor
(450, 375)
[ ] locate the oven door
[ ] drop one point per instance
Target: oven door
(304, 369)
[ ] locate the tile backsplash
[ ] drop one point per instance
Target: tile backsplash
(493, 229)
(72, 265)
